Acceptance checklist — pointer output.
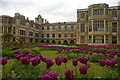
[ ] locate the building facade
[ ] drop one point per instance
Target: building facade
(97, 24)
(60, 33)
(24, 30)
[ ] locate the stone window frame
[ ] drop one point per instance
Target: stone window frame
(114, 13)
(98, 39)
(53, 35)
(59, 35)
(22, 32)
(30, 33)
(82, 16)
(82, 27)
(100, 11)
(65, 35)
(42, 35)
(114, 29)
(71, 34)
(98, 25)
(48, 35)
(36, 35)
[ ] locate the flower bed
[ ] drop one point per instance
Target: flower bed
(62, 62)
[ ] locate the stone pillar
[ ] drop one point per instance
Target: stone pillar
(104, 39)
(7, 29)
(92, 39)
(104, 25)
(3, 29)
(92, 25)
(11, 30)
(110, 39)
(118, 38)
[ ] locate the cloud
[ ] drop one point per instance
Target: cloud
(52, 10)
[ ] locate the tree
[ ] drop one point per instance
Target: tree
(8, 37)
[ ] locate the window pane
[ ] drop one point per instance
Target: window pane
(98, 39)
(98, 25)
(82, 28)
(114, 13)
(90, 26)
(98, 11)
(114, 27)
(82, 15)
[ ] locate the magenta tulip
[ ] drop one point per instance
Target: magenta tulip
(118, 54)
(112, 63)
(35, 61)
(107, 62)
(114, 60)
(83, 60)
(50, 76)
(58, 61)
(3, 60)
(69, 74)
(25, 60)
(74, 62)
(18, 56)
(102, 62)
(17, 51)
(83, 69)
(49, 63)
(64, 59)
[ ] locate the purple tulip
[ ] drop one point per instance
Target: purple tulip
(3, 60)
(69, 74)
(50, 76)
(35, 61)
(26, 52)
(107, 62)
(49, 63)
(38, 59)
(44, 59)
(112, 63)
(46, 77)
(64, 59)
(118, 54)
(74, 62)
(111, 55)
(83, 60)
(102, 62)
(53, 74)
(114, 60)
(31, 55)
(83, 69)
(58, 61)
(17, 51)
(18, 56)
(25, 60)
(41, 56)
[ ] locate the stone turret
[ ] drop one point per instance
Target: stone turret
(39, 19)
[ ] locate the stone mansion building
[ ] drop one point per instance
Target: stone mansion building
(97, 24)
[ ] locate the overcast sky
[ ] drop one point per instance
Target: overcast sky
(52, 10)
